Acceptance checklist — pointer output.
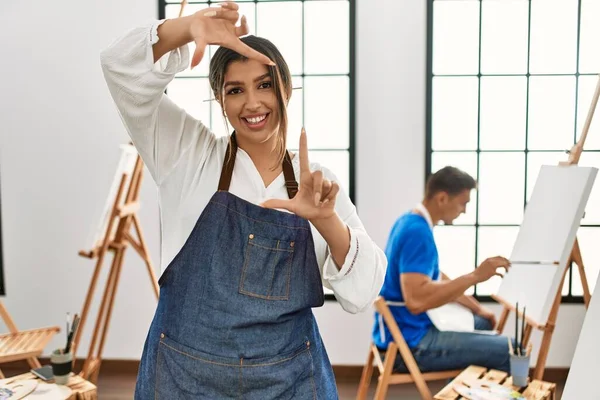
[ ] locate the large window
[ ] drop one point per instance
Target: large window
(316, 38)
(510, 83)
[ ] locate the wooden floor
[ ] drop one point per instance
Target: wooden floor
(113, 385)
(120, 387)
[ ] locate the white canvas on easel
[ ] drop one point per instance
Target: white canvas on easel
(546, 236)
(125, 166)
(581, 381)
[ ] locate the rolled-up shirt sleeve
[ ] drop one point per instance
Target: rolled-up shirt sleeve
(160, 130)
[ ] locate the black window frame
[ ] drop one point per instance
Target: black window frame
(566, 298)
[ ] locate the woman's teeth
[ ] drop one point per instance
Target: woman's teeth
(256, 120)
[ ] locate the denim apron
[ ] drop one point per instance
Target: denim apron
(234, 317)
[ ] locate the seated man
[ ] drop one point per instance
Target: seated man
(416, 287)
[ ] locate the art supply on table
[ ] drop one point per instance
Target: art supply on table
(61, 359)
(519, 356)
(519, 370)
(479, 389)
(519, 339)
(44, 373)
(71, 333)
(51, 391)
(68, 323)
(17, 389)
(521, 349)
(5, 393)
(62, 365)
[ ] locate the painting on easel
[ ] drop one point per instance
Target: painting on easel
(126, 165)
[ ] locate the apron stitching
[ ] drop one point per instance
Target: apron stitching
(260, 296)
(156, 371)
(273, 273)
(198, 358)
(243, 278)
(312, 373)
(241, 378)
(258, 220)
(289, 269)
(235, 365)
(277, 249)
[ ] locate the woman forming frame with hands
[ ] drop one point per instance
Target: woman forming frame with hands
(250, 233)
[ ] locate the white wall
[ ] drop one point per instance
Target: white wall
(59, 148)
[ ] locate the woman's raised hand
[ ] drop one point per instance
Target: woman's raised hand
(217, 26)
(316, 194)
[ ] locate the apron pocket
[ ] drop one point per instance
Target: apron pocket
(267, 268)
(186, 373)
(284, 377)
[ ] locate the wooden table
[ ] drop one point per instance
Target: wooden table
(82, 389)
(536, 390)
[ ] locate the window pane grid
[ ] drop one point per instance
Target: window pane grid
(554, 85)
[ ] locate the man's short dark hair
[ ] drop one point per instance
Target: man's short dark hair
(450, 180)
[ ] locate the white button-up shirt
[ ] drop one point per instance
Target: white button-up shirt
(185, 159)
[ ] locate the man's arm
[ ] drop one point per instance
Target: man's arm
(422, 294)
(464, 300)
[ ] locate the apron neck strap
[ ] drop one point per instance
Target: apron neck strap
(228, 163)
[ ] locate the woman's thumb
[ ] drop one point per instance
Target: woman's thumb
(276, 203)
(198, 55)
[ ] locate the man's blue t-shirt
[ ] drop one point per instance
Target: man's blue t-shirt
(410, 248)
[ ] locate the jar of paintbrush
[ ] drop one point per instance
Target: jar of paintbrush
(62, 359)
(519, 353)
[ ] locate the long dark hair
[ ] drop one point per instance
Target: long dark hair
(280, 77)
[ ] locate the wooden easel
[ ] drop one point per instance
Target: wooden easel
(575, 257)
(123, 216)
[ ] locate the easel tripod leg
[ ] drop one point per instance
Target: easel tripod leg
(111, 302)
(92, 363)
(502, 320)
(577, 259)
(86, 305)
(548, 331)
(146, 256)
(101, 254)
